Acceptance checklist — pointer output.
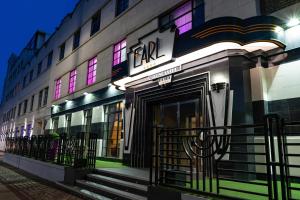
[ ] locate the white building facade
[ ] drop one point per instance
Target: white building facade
(118, 68)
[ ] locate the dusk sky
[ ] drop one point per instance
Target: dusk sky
(20, 19)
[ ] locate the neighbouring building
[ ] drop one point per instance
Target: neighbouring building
(120, 68)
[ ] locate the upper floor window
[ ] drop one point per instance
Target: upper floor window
(19, 109)
(92, 70)
(72, 81)
(185, 17)
(45, 96)
(39, 70)
(76, 39)
(31, 75)
(57, 91)
(119, 55)
(62, 51)
(95, 26)
(24, 81)
(40, 99)
(49, 60)
(121, 6)
(25, 106)
(32, 103)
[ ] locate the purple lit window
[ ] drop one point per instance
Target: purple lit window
(183, 17)
(119, 52)
(91, 72)
(57, 91)
(72, 81)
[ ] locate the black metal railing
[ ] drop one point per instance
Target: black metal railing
(75, 151)
(259, 161)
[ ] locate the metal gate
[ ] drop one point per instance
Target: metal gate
(260, 161)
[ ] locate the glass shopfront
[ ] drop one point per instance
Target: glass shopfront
(113, 130)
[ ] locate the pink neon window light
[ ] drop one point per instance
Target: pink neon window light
(57, 92)
(119, 52)
(183, 17)
(72, 81)
(92, 70)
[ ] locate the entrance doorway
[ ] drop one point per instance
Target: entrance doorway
(178, 114)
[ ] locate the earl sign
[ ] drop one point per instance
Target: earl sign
(152, 51)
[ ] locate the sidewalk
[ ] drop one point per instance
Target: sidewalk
(17, 185)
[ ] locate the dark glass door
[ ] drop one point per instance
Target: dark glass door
(180, 114)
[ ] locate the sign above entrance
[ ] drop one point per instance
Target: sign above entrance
(165, 77)
(152, 51)
(164, 73)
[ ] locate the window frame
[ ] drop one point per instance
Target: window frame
(49, 58)
(119, 11)
(40, 100)
(32, 103)
(62, 49)
(96, 22)
(76, 39)
(45, 99)
(31, 75)
(57, 89)
(196, 5)
(119, 52)
(25, 106)
(72, 81)
(93, 72)
(40, 65)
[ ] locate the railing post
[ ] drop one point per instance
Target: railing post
(273, 129)
(157, 146)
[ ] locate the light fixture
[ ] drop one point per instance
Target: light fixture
(66, 100)
(85, 93)
(278, 29)
(293, 22)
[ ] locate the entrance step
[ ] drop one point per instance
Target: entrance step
(108, 191)
(129, 175)
(118, 184)
(112, 184)
(83, 193)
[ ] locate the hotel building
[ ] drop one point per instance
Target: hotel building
(120, 68)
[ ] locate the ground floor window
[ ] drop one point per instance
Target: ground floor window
(113, 131)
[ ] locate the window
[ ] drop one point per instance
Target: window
(121, 6)
(62, 51)
(185, 17)
(57, 92)
(31, 75)
(14, 112)
(91, 72)
(113, 130)
(24, 81)
(119, 55)
(95, 26)
(25, 106)
(32, 103)
(40, 99)
(45, 96)
(49, 61)
(76, 39)
(39, 68)
(72, 81)
(19, 109)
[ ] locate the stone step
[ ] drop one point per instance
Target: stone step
(82, 193)
(107, 191)
(118, 184)
(134, 178)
